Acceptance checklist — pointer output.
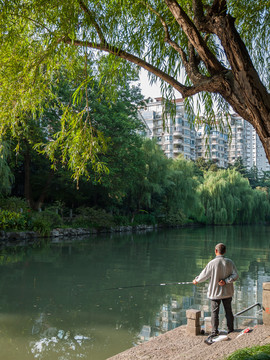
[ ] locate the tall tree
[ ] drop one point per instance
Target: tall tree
(229, 199)
(116, 119)
(222, 46)
(182, 191)
(6, 175)
(147, 191)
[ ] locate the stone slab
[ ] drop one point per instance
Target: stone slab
(266, 307)
(207, 325)
(266, 286)
(193, 314)
(193, 322)
(193, 330)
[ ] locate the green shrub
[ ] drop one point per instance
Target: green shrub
(57, 207)
(44, 221)
(11, 220)
(120, 220)
(253, 353)
(90, 217)
(145, 219)
(175, 218)
(81, 221)
(14, 204)
(260, 356)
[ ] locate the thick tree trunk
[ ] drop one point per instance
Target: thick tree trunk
(27, 186)
(36, 205)
(44, 192)
(248, 97)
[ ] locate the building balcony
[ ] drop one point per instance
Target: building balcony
(178, 141)
(178, 150)
(167, 142)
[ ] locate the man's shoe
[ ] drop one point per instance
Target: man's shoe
(230, 331)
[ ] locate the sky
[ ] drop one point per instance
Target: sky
(152, 91)
(148, 90)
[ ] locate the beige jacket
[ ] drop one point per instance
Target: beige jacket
(218, 269)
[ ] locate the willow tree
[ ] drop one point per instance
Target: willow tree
(219, 48)
(228, 198)
(181, 192)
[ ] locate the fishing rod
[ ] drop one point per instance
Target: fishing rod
(148, 285)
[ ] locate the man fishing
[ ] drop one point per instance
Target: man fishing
(222, 273)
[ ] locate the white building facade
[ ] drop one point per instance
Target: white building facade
(178, 136)
(212, 145)
(245, 144)
(174, 136)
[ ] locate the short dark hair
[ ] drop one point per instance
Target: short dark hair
(221, 248)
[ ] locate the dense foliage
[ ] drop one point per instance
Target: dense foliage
(228, 198)
(216, 49)
(139, 185)
(253, 353)
(154, 190)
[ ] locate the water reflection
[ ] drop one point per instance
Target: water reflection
(170, 316)
(53, 304)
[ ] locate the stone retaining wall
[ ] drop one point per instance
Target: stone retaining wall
(23, 235)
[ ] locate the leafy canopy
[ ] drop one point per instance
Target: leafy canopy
(217, 49)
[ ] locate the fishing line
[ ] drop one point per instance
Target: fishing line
(148, 285)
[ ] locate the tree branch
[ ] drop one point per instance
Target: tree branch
(199, 18)
(91, 16)
(190, 65)
(198, 11)
(252, 89)
(219, 7)
(192, 33)
(211, 84)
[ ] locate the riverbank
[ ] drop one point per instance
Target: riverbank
(64, 232)
(73, 232)
(178, 345)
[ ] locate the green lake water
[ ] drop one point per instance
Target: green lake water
(55, 304)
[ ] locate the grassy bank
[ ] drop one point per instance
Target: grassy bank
(253, 353)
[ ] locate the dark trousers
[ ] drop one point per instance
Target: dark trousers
(215, 304)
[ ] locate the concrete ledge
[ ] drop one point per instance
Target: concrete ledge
(177, 345)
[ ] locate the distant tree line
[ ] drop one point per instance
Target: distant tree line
(132, 182)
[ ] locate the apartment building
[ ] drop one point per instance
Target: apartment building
(240, 140)
(175, 136)
(212, 145)
(246, 144)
